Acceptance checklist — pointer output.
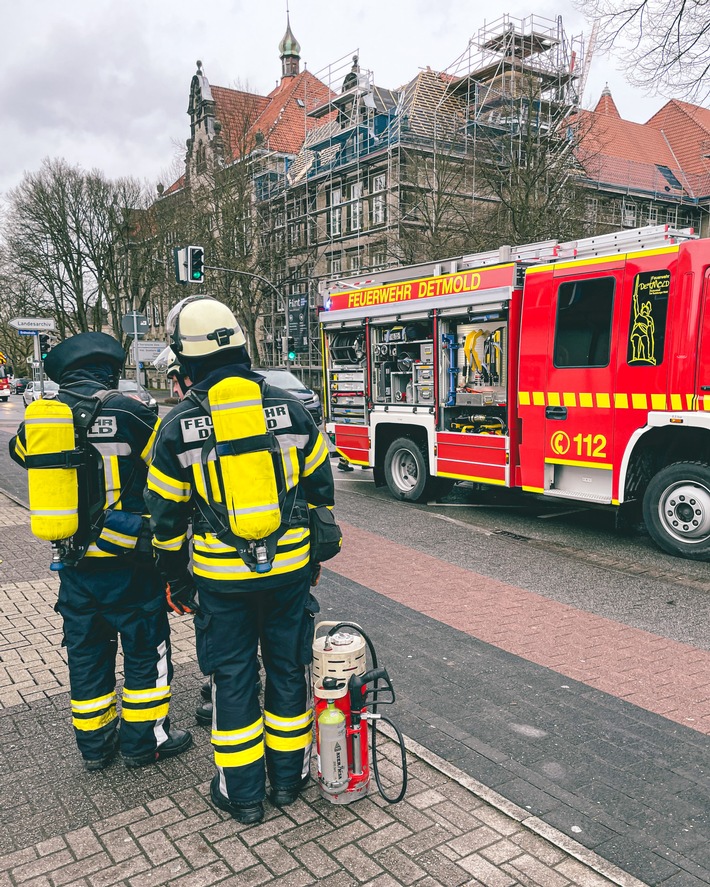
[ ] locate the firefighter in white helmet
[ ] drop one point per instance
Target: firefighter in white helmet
(245, 463)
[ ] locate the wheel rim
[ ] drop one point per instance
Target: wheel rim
(404, 470)
(684, 511)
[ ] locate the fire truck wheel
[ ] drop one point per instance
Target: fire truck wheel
(676, 510)
(406, 470)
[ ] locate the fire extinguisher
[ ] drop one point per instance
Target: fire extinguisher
(346, 698)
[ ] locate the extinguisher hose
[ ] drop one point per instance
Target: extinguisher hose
(375, 768)
(373, 705)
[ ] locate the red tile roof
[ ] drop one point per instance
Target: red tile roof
(687, 129)
(281, 117)
(626, 155)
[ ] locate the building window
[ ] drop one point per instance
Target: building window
(379, 183)
(379, 257)
(336, 199)
(628, 218)
(354, 262)
(672, 215)
(335, 265)
(356, 206)
(653, 215)
(591, 209)
(583, 328)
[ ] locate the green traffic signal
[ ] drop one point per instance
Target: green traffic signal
(291, 354)
(196, 264)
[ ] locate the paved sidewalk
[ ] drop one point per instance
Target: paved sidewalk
(63, 826)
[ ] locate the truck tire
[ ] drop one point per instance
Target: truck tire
(406, 470)
(676, 509)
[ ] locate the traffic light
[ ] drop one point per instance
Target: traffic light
(44, 346)
(195, 264)
(291, 352)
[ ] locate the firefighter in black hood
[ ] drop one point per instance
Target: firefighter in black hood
(244, 462)
(108, 582)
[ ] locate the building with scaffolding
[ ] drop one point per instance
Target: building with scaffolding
(347, 177)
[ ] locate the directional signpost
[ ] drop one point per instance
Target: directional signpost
(28, 326)
(136, 325)
(33, 326)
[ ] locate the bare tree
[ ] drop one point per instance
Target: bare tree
(82, 244)
(527, 169)
(664, 44)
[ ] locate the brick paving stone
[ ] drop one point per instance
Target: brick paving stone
(318, 863)
(354, 861)
(275, 857)
(80, 869)
(399, 864)
(485, 873)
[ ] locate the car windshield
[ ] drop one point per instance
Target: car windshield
(127, 385)
(282, 379)
(49, 387)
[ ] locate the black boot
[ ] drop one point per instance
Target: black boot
(283, 797)
(206, 691)
(203, 714)
(100, 763)
(177, 742)
(247, 814)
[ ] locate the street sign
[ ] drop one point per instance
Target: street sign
(135, 323)
(298, 321)
(147, 351)
(33, 324)
(27, 332)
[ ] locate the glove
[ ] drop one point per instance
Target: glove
(315, 574)
(180, 596)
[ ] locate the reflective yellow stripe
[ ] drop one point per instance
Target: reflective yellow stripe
(148, 449)
(79, 705)
(239, 758)
(316, 457)
(235, 568)
(297, 723)
(174, 544)
(118, 538)
(289, 743)
(137, 715)
(198, 477)
(88, 724)
(235, 737)
(146, 695)
(167, 487)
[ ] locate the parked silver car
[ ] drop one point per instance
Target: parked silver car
(33, 391)
(283, 378)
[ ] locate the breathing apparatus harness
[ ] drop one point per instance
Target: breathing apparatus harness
(258, 553)
(359, 710)
(92, 512)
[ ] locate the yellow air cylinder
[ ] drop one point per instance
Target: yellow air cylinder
(251, 493)
(54, 492)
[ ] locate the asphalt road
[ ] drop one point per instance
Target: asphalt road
(570, 554)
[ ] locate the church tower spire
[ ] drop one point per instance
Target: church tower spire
(290, 50)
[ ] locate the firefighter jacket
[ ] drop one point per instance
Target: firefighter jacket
(120, 443)
(182, 486)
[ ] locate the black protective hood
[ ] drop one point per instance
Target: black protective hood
(84, 350)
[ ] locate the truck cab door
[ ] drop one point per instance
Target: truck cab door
(580, 384)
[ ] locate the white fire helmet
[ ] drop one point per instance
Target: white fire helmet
(167, 361)
(200, 325)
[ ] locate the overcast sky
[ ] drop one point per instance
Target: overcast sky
(105, 83)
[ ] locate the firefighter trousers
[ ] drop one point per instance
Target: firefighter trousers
(97, 606)
(249, 744)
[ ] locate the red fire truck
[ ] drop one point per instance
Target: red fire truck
(579, 371)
